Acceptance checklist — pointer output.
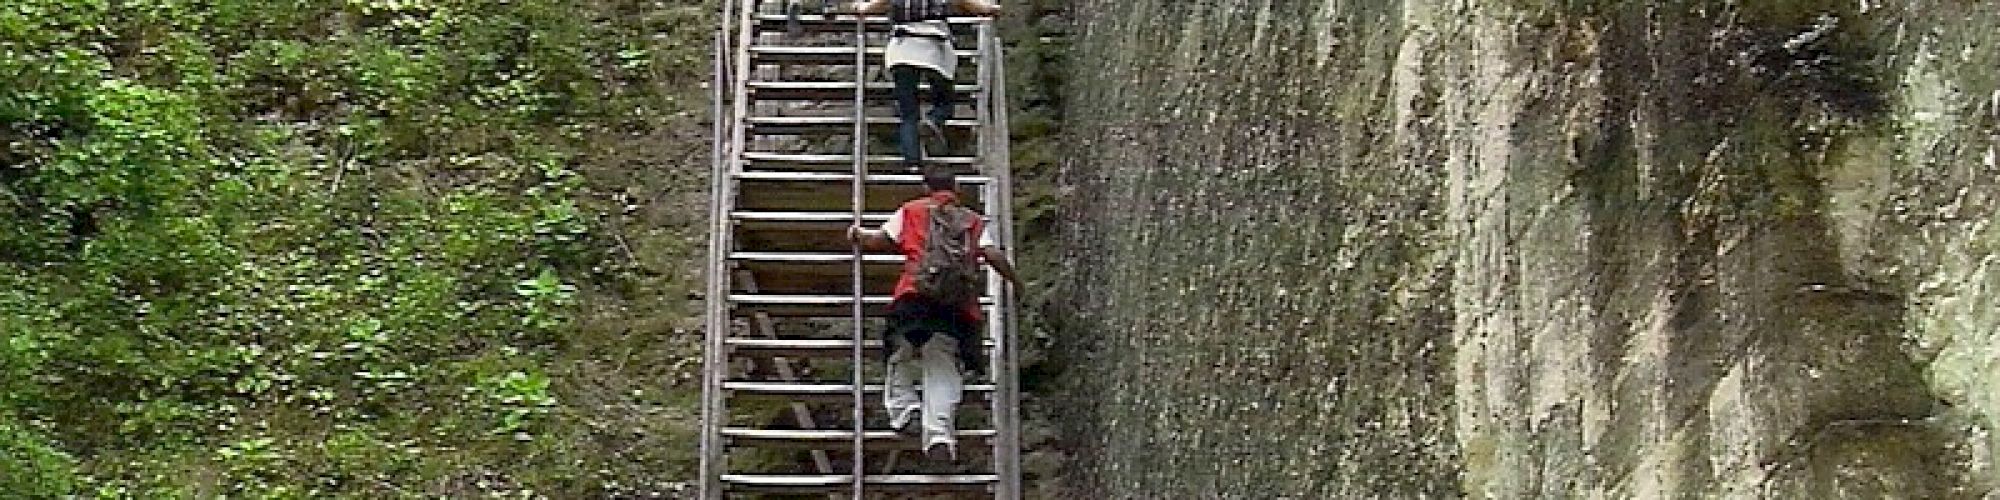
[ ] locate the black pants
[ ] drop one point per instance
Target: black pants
(918, 319)
(907, 78)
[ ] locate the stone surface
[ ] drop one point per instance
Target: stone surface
(1518, 248)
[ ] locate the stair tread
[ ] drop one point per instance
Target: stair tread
(788, 85)
(754, 343)
(842, 120)
(752, 298)
(849, 177)
(843, 479)
(846, 160)
(836, 434)
(842, 92)
(820, 388)
(832, 49)
(825, 55)
(810, 306)
(816, 257)
(790, 192)
(828, 439)
(803, 344)
(823, 125)
(775, 216)
(847, 21)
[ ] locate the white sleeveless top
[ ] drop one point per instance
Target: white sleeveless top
(927, 52)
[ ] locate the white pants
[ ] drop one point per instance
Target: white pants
(936, 362)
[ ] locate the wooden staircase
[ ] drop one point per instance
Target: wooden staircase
(804, 147)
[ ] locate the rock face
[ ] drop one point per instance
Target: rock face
(1518, 248)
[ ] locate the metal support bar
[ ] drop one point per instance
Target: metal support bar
(713, 413)
(995, 152)
(860, 154)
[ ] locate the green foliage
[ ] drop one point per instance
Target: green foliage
(257, 467)
(519, 398)
(546, 296)
(32, 468)
(295, 248)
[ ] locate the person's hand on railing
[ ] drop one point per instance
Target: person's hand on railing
(836, 7)
(979, 7)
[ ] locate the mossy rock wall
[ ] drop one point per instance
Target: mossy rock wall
(1517, 248)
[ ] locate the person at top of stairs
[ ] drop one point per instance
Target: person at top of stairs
(920, 50)
(936, 294)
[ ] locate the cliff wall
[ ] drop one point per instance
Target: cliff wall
(1520, 248)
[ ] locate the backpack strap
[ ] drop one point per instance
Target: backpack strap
(901, 32)
(972, 229)
(906, 11)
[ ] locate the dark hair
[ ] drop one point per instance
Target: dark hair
(940, 179)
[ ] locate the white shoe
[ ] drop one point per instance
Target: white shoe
(900, 420)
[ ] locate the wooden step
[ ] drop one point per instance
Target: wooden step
(873, 259)
(815, 306)
(845, 177)
(817, 278)
(844, 55)
(808, 306)
(840, 91)
(819, 125)
(816, 23)
(832, 192)
(799, 231)
(804, 221)
(798, 348)
(841, 439)
(831, 392)
(835, 483)
(818, 273)
(842, 163)
(807, 348)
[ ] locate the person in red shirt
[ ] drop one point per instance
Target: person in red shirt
(916, 321)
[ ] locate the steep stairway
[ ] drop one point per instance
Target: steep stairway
(804, 147)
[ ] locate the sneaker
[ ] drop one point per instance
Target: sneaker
(935, 142)
(901, 420)
(792, 27)
(941, 448)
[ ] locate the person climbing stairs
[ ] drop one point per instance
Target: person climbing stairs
(920, 53)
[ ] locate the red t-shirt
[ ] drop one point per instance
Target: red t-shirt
(908, 227)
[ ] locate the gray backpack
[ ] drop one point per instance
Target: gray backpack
(948, 270)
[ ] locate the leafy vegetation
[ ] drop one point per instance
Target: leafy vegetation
(360, 248)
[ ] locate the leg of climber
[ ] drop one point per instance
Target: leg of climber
(943, 95)
(944, 384)
(907, 78)
(900, 396)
